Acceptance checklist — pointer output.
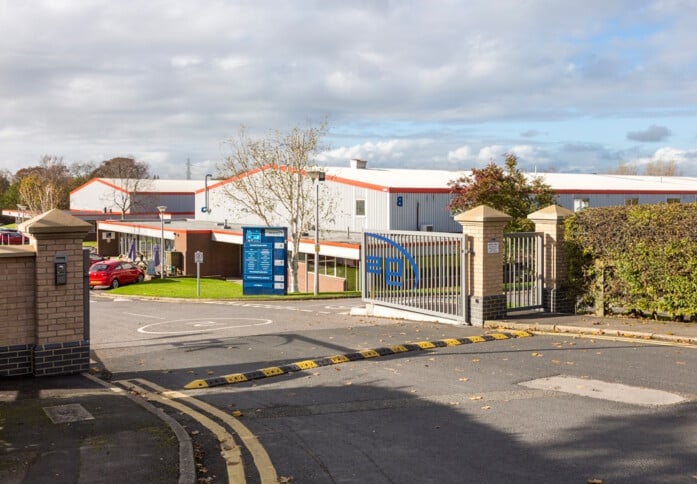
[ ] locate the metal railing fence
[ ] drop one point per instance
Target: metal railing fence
(418, 271)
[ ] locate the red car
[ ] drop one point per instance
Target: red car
(12, 237)
(114, 273)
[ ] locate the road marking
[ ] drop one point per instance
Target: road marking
(261, 458)
(143, 315)
(615, 392)
(354, 356)
(202, 325)
(231, 453)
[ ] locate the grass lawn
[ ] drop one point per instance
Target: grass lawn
(185, 287)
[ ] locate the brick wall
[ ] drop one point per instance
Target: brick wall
(17, 297)
(43, 327)
(59, 309)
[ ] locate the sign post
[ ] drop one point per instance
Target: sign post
(198, 258)
(264, 260)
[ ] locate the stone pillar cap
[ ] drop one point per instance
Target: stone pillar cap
(54, 221)
(482, 213)
(551, 212)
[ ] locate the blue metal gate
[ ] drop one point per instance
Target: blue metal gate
(416, 271)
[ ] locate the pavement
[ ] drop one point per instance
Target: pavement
(80, 429)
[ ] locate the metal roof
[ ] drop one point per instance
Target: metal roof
(389, 179)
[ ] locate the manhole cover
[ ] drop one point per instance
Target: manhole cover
(72, 412)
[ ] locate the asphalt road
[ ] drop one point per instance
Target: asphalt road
(536, 409)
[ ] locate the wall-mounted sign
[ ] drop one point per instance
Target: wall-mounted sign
(492, 247)
(264, 260)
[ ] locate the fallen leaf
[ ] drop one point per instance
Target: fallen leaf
(463, 379)
(210, 372)
(537, 355)
(475, 360)
(454, 403)
(595, 481)
(236, 413)
(486, 407)
(556, 362)
(476, 397)
(285, 479)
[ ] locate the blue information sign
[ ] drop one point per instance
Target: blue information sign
(264, 260)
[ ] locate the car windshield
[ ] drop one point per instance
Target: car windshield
(99, 267)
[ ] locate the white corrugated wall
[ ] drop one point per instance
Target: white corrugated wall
(566, 200)
(413, 211)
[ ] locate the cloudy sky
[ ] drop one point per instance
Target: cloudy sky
(570, 86)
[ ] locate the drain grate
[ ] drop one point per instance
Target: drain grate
(72, 412)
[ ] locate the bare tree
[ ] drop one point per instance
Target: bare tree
(268, 177)
(625, 169)
(662, 168)
(128, 176)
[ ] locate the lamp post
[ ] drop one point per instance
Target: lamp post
(206, 209)
(22, 209)
(162, 209)
(317, 176)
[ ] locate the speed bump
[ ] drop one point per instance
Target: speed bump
(353, 356)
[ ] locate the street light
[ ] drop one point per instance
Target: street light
(206, 208)
(22, 209)
(317, 176)
(162, 209)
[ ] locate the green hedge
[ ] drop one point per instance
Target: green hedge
(642, 258)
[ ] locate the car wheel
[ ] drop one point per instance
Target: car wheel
(141, 277)
(114, 283)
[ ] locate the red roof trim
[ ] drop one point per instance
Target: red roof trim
(229, 180)
(97, 180)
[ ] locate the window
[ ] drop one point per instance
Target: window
(360, 207)
(631, 201)
(580, 204)
(673, 200)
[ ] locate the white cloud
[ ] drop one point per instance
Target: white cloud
(685, 159)
(186, 61)
(80, 78)
(463, 153)
(375, 153)
(232, 62)
(489, 154)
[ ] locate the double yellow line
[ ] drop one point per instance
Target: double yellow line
(225, 428)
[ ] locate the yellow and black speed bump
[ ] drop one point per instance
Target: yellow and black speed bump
(355, 356)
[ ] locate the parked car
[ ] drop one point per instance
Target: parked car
(94, 258)
(12, 237)
(114, 273)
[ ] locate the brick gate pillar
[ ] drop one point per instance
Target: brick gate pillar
(483, 227)
(61, 345)
(550, 222)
